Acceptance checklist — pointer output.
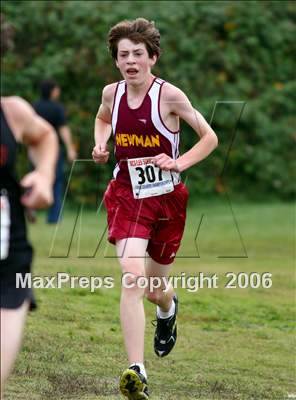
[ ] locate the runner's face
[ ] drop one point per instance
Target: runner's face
(133, 61)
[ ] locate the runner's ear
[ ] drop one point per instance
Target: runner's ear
(153, 60)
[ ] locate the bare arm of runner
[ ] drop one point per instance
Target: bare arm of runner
(103, 126)
(180, 105)
(42, 143)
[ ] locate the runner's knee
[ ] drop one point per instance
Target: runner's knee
(131, 272)
(132, 265)
(155, 295)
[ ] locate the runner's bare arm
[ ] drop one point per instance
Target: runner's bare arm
(42, 143)
(181, 106)
(103, 126)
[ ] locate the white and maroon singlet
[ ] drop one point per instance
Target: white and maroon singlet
(141, 132)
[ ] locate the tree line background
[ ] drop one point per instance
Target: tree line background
(234, 60)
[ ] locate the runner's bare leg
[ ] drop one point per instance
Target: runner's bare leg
(12, 325)
(158, 296)
(131, 256)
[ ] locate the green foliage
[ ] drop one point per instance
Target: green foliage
(213, 51)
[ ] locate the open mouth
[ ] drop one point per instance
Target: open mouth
(132, 71)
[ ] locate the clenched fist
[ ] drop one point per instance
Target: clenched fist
(165, 162)
(100, 154)
(38, 190)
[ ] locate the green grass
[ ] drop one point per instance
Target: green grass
(233, 343)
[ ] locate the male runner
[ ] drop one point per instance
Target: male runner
(146, 200)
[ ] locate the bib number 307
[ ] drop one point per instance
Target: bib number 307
(147, 179)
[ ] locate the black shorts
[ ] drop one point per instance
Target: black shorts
(13, 297)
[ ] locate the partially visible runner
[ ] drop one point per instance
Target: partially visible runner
(20, 124)
(146, 201)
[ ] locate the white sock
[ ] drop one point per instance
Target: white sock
(166, 314)
(142, 368)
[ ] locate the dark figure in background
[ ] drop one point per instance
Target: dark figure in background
(52, 111)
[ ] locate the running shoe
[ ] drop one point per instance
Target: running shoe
(166, 333)
(133, 384)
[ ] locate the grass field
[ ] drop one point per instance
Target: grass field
(233, 343)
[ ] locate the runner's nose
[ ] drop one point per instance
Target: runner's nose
(130, 59)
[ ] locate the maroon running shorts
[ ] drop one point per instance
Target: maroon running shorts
(160, 219)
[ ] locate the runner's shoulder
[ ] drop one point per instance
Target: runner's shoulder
(18, 109)
(19, 113)
(108, 93)
(17, 102)
(171, 93)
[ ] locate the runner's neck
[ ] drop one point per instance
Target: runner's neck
(138, 91)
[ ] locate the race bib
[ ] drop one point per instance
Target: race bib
(5, 225)
(147, 179)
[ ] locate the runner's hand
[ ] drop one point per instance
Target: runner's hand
(100, 154)
(38, 190)
(163, 161)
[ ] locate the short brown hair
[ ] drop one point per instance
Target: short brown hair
(138, 31)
